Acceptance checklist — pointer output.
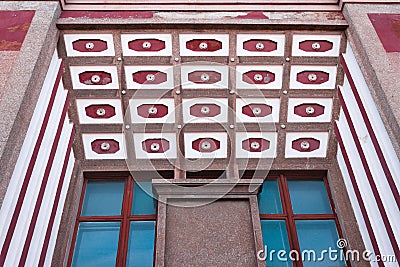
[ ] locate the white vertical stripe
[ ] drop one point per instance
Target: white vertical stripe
(57, 220)
(372, 159)
(355, 205)
(365, 189)
(21, 229)
(373, 115)
(17, 178)
(49, 196)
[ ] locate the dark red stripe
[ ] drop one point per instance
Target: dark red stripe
(43, 185)
(358, 194)
(370, 178)
(56, 201)
(371, 132)
(28, 174)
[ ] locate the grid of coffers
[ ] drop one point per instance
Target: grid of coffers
(235, 97)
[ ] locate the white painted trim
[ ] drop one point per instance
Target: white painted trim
(169, 70)
(26, 151)
(355, 205)
(25, 216)
(81, 104)
(49, 195)
(60, 209)
(273, 117)
(298, 38)
(186, 69)
(90, 154)
(220, 118)
(269, 153)
(365, 188)
(278, 38)
(126, 38)
(325, 117)
(318, 153)
(76, 70)
(70, 38)
(374, 117)
(135, 103)
(372, 158)
(220, 153)
(276, 69)
(223, 38)
(330, 84)
(141, 154)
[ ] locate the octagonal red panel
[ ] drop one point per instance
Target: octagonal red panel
(97, 146)
(307, 46)
(301, 110)
(263, 144)
(155, 45)
(143, 77)
(211, 45)
(304, 77)
(100, 111)
(267, 45)
(200, 110)
(83, 45)
(152, 111)
(206, 145)
(156, 145)
(258, 77)
(314, 144)
(95, 78)
(264, 110)
(199, 77)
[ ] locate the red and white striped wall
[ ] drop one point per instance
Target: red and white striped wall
(32, 207)
(369, 164)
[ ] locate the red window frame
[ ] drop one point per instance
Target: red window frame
(289, 217)
(125, 218)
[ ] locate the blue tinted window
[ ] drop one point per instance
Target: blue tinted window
(319, 235)
(309, 196)
(103, 198)
(141, 244)
(269, 200)
(143, 203)
(96, 244)
(275, 238)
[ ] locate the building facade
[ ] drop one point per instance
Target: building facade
(199, 133)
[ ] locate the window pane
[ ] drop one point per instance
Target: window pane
(309, 196)
(319, 235)
(96, 244)
(275, 238)
(141, 244)
(269, 200)
(103, 198)
(143, 203)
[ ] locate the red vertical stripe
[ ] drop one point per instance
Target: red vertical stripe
(43, 185)
(29, 171)
(55, 205)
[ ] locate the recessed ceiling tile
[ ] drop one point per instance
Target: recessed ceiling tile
(146, 44)
(204, 44)
(260, 45)
(89, 45)
(99, 111)
(104, 146)
(256, 145)
(306, 145)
